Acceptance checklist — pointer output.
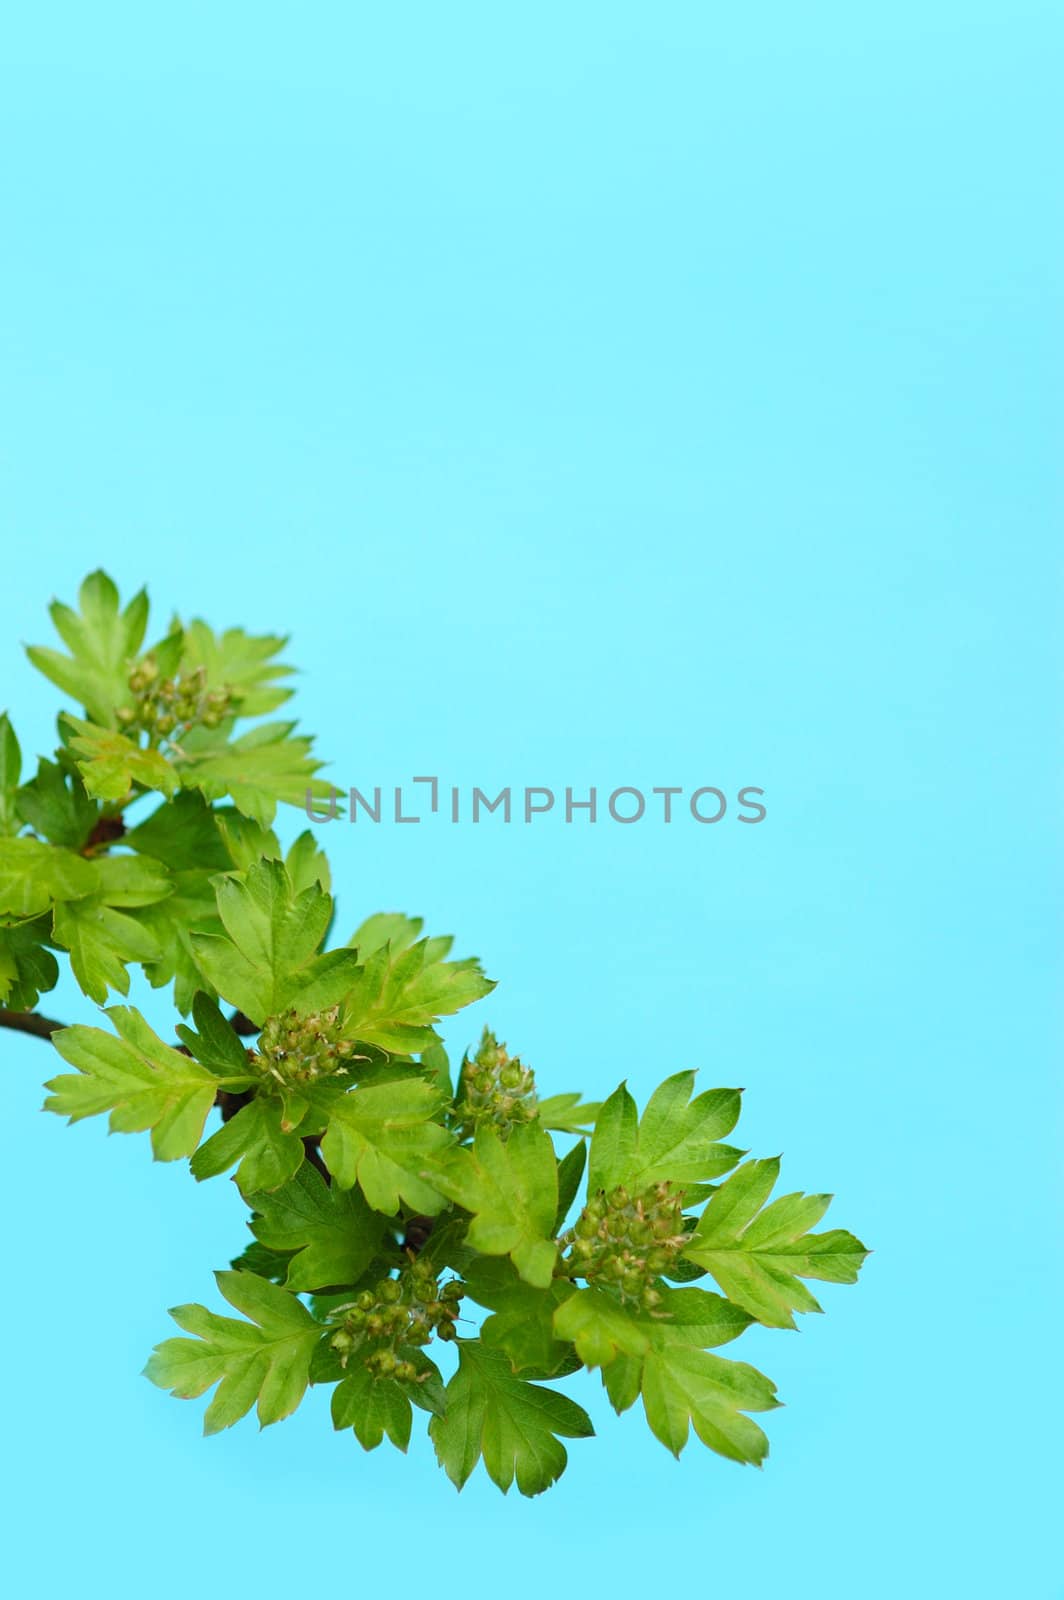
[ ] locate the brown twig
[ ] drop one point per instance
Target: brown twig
(105, 831)
(30, 1022)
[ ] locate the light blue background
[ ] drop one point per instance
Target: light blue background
(599, 394)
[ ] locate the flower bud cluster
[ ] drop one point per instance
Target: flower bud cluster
(495, 1088)
(296, 1051)
(398, 1312)
(627, 1241)
(169, 707)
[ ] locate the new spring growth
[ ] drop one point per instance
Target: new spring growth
(295, 1051)
(495, 1088)
(399, 1312)
(627, 1242)
(167, 708)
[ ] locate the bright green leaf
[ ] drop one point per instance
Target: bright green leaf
(110, 763)
(758, 1256)
(33, 875)
(101, 943)
(511, 1189)
(265, 1360)
(265, 765)
(141, 1081)
(674, 1141)
(522, 1324)
(396, 997)
(384, 1139)
(102, 640)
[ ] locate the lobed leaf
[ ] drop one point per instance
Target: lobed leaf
(263, 1362)
(676, 1141)
(141, 1081)
(758, 1256)
(332, 1231)
(511, 1189)
(516, 1427)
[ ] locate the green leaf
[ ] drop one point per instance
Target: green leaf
(333, 1232)
(515, 1425)
(438, 1067)
(110, 763)
(266, 1359)
(183, 834)
(10, 771)
(266, 765)
(27, 968)
(307, 864)
(397, 996)
(216, 1045)
(614, 1143)
(603, 1328)
(567, 1113)
(522, 1326)
(190, 909)
(674, 1141)
(758, 1256)
(128, 881)
(512, 1191)
(102, 640)
(373, 1407)
(240, 662)
(266, 959)
(684, 1386)
(271, 1264)
(101, 941)
(269, 1152)
(33, 875)
(570, 1171)
(55, 804)
(141, 1081)
(246, 842)
(385, 928)
(384, 1139)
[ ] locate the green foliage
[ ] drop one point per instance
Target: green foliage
(515, 1426)
(264, 1362)
(401, 1219)
(758, 1256)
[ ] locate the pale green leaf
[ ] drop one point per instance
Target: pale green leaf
(384, 1139)
(101, 943)
(102, 639)
(141, 1081)
(33, 875)
(110, 763)
(265, 1360)
(265, 765)
(396, 997)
